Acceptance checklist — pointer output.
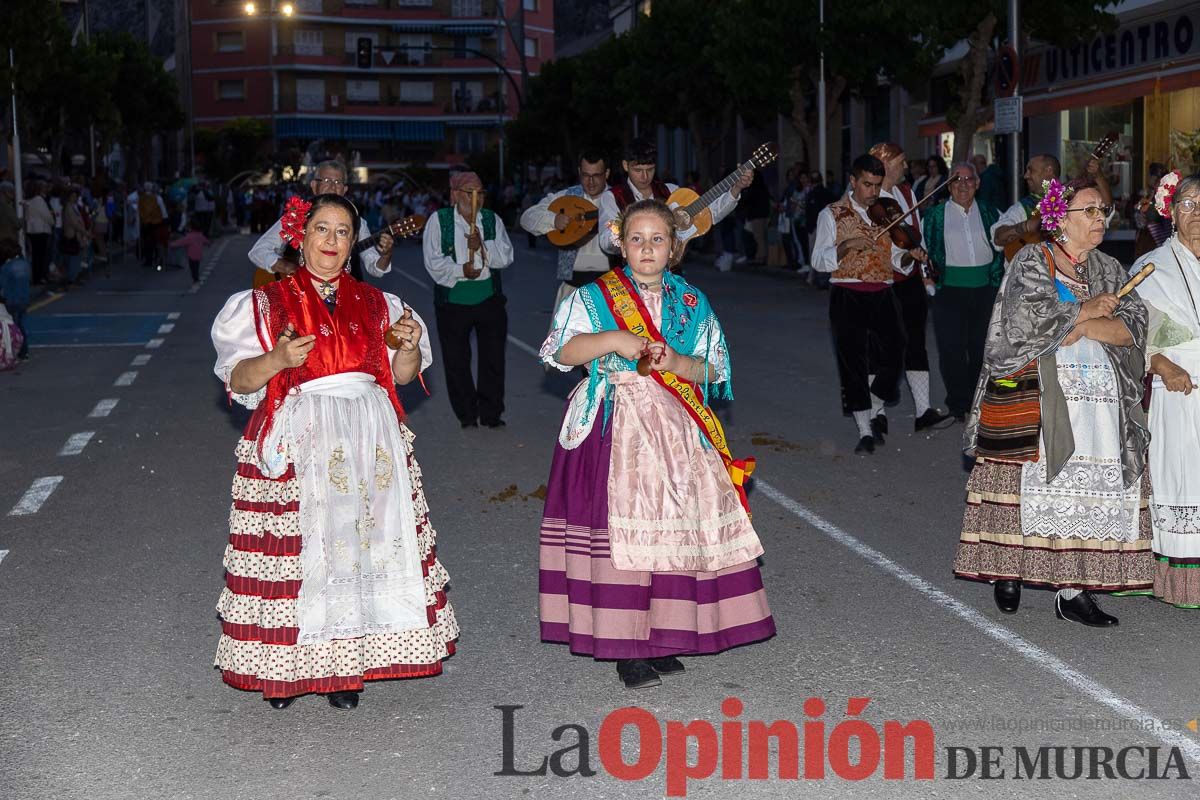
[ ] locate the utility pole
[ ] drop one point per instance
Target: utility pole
(821, 145)
(87, 39)
(1014, 139)
(19, 185)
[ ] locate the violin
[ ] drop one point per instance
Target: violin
(888, 214)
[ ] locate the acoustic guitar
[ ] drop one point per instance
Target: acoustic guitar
(583, 217)
(1102, 148)
(399, 229)
(695, 208)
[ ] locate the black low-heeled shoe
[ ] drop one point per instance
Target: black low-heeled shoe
(667, 665)
(280, 703)
(879, 428)
(865, 445)
(1083, 609)
(637, 673)
(1007, 595)
(347, 701)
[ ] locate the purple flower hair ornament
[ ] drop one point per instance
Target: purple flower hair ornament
(1052, 208)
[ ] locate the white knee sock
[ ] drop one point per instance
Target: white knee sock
(1069, 594)
(863, 420)
(876, 406)
(918, 383)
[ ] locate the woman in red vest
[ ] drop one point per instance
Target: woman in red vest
(331, 574)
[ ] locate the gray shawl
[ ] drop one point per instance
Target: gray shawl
(1030, 322)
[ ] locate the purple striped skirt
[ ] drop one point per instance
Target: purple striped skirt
(608, 613)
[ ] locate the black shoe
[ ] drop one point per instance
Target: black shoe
(469, 423)
(347, 701)
(865, 445)
(637, 674)
(1007, 595)
(879, 427)
(493, 423)
(931, 417)
(281, 702)
(667, 665)
(1082, 609)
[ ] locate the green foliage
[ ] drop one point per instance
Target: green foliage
(239, 146)
(63, 87)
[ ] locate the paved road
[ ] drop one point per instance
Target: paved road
(118, 459)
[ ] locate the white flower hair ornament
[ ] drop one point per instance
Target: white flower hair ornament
(1165, 193)
(614, 232)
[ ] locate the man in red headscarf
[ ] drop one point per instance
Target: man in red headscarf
(465, 248)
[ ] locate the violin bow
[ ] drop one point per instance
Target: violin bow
(918, 204)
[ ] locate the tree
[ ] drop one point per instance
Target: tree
(945, 24)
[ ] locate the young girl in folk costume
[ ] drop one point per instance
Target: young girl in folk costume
(647, 551)
(331, 571)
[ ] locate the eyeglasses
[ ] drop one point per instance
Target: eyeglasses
(1188, 206)
(1094, 212)
(334, 182)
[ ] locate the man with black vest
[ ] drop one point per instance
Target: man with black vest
(468, 297)
(640, 164)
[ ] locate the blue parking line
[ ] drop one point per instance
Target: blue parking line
(50, 330)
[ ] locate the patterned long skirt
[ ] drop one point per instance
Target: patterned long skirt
(608, 613)
(258, 650)
(992, 545)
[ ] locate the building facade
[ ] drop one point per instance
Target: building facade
(398, 82)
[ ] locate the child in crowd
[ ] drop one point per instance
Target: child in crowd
(195, 242)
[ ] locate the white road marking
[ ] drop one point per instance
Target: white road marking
(33, 498)
(126, 378)
(514, 340)
(104, 407)
(88, 344)
(154, 344)
(140, 360)
(76, 443)
(166, 327)
(3, 553)
(113, 314)
(173, 315)
(175, 293)
(1038, 657)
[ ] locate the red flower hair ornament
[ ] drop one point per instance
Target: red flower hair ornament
(291, 226)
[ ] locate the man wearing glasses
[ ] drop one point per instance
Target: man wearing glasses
(969, 272)
(270, 253)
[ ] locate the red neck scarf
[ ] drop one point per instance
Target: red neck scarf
(348, 340)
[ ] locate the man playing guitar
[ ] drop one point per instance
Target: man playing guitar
(270, 253)
(640, 165)
(585, 262)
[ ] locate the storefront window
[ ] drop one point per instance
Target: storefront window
(1084, 128)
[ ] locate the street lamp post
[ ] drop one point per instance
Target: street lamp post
(273, 12)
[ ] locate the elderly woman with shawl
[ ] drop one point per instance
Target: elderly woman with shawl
(1055, 499)
(331, 576)
(1172, 293)
(647, 551)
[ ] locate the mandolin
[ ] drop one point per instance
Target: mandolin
(694, 208)
(1102, 148)
(399, 229)
(583, 216)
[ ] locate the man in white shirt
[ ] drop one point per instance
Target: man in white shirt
(909, 285)
(970, 268)
(467, 295)
(585, 261)
(640, 164)
(868, 334)
(272, 254)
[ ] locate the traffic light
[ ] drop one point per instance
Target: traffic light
(363, 53)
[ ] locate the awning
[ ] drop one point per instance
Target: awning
(359, 129)
(474, 123)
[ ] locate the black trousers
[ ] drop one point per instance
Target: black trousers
(960, 321)
(39, 252)
(914, 312)
(481, 400)
(868, 337)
